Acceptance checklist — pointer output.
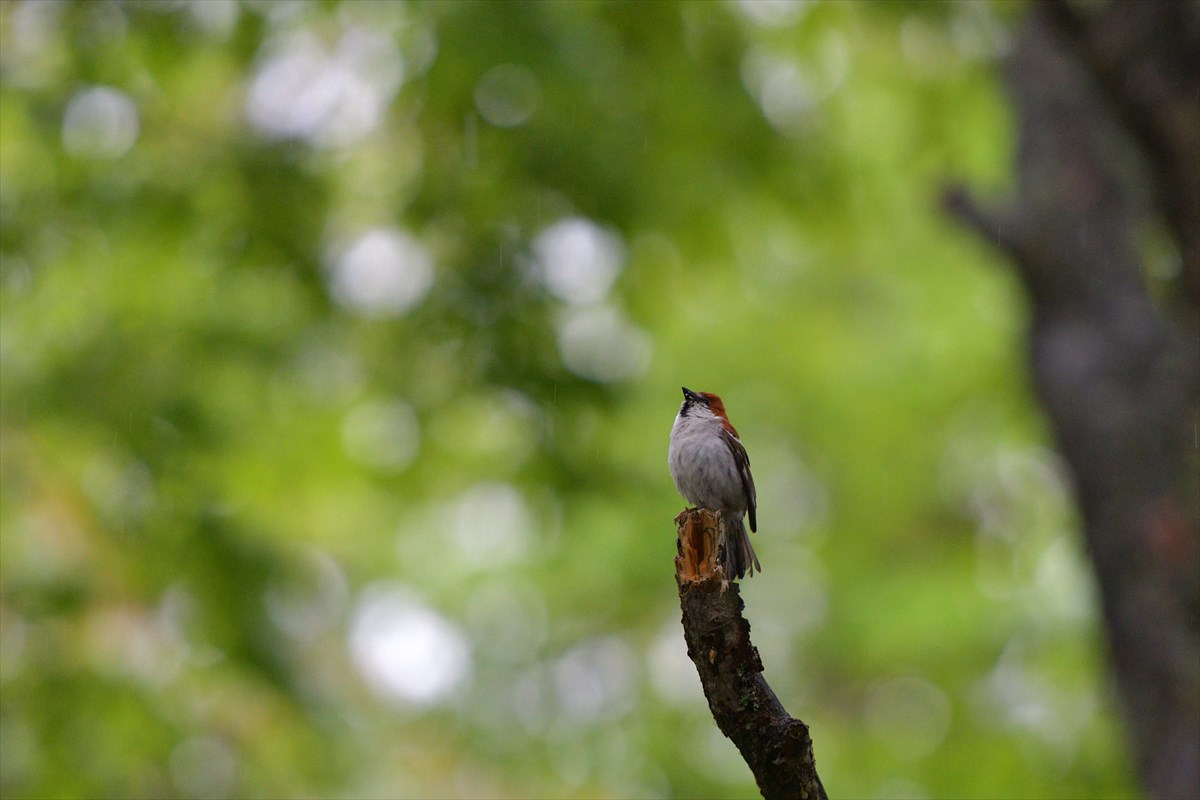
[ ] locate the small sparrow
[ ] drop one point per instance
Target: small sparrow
(711, 470)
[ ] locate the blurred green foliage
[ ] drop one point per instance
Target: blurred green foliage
(340, 344)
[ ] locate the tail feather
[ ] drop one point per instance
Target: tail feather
(739, 555)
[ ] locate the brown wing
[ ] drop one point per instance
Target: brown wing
(742, 460)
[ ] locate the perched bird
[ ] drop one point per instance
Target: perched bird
(711, 470)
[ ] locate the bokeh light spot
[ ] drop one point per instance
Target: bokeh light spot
(507, 95)
(578, 260)
(671, 672)
(596, 680)
(911, 704)
(301, 90)
(204, 767)
(600, 344)
(383, 273)
(508, 620)
(492, 525)
(407, 652)
(100, 122)
(312, 601)
(382, 433)
(773, 13)
(216, 17)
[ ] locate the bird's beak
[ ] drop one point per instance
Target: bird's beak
(688, 394)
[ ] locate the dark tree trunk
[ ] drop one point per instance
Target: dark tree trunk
(1107, 102)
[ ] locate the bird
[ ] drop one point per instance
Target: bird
(711, 470)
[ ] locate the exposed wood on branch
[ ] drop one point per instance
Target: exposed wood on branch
(775, 745)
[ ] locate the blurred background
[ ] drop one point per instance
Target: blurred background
(341, 342)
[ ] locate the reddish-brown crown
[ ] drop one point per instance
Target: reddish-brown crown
(717, 406)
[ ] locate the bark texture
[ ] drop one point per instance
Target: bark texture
(775, 745)
(1107, 105)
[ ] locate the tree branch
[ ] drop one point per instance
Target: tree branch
(775, 745)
